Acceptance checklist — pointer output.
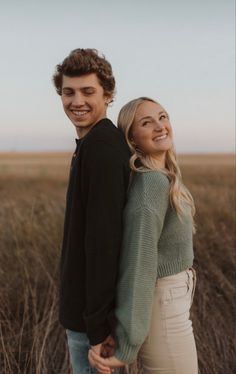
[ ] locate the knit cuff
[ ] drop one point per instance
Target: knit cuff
(125, 352)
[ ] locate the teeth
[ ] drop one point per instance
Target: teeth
(161, 137)
(79, 112)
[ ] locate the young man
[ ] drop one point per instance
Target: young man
(96, 194)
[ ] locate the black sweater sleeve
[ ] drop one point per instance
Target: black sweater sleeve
(105, 179)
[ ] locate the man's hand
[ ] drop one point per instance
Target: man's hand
(104, 349)
(104, 366)
(108, 347)
(97, 349)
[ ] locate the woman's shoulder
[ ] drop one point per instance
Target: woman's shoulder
(150, 188)
(152, 179)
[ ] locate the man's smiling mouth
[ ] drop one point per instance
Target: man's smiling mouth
(80, 113)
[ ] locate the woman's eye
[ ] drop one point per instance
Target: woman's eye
(165, 116)
(145, 123)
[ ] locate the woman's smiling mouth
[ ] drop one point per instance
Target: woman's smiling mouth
(161, 137)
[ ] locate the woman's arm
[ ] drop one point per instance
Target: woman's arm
(138, 264)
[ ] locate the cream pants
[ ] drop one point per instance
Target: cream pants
(170, 346)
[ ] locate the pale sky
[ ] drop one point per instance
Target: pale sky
(180, 53)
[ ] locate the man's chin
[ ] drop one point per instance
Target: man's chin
(81, 125)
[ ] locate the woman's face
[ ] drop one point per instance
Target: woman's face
(151, 131)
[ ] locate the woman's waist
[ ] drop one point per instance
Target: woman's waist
(181, 276)
(167, 268)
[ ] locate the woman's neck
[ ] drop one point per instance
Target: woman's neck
(156, 161)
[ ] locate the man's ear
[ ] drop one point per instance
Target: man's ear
(108, 99)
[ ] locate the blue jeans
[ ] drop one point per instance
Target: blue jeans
(79, 346)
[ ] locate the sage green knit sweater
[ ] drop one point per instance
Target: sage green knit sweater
(156, 243)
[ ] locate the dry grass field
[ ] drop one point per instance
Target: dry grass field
(32, 193)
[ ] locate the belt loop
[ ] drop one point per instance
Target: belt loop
(188, 281)
(194, 284)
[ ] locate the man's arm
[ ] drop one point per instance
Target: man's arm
(104, 183)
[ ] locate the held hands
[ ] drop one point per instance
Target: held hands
(104, 365)
(101, 356)
(108, 347)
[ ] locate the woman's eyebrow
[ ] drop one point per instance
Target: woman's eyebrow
(146, 117)
(150, 117)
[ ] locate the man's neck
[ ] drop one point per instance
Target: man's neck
(81, 132)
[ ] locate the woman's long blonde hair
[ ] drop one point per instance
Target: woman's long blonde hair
(179, 194)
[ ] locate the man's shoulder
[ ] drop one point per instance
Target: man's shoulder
(105, 133)
(104, 130)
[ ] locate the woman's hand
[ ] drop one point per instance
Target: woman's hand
(104, 365)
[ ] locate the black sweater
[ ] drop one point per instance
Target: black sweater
(96, 196)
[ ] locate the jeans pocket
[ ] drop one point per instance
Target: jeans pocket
(179, 291)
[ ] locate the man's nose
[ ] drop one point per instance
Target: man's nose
(78, 99)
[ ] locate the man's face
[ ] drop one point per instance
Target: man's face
(83, 101)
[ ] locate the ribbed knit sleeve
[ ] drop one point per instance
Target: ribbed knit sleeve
(143, 221)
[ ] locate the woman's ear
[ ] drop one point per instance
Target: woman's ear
(132, 142)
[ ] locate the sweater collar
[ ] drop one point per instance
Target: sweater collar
(102, 121)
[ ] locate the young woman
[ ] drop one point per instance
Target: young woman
(156, 280)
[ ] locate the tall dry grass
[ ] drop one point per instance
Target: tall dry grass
(214, 309)
(30, 230)
(32, 191)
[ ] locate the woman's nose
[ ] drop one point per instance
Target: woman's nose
(158, 126)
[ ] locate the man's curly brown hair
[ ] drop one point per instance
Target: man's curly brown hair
(86, 61)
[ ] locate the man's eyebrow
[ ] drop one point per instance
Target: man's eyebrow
(82, 88)
(67, 88)
(88, 88)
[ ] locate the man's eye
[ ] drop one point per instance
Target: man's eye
(88, 92)
(67, 93)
